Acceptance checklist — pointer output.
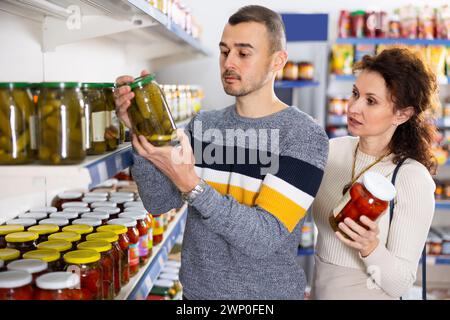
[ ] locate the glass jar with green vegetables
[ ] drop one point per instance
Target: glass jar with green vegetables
(113, 124)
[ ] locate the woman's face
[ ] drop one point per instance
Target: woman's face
(370, 108)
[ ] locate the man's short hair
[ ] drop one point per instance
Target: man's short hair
(272, 20)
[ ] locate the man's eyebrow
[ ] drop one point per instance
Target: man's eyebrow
(240, 45)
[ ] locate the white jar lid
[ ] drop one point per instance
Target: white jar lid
(70, 195)
(26, 222)
(379, 186)
(107, 184)
(95, 215)
(172, 263)
(96, 194)
(109, 210)
(77, 209)
(34, 215)
(89, 221)
(14, 279)
(123, 183)
(136, 209)
(99, 204)
(169, 276)
(122, 194)
(28, 265)
(133, 215)
(74, 204)
(65, 215)
(121, 200)
(170, 270)
(127, 222)
(131, 204)
(58, 280)
(43, 209)
(60, 222)
(93, 199)
(164, 283)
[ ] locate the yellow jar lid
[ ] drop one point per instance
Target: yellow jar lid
(82, 256)
(66, 235)
(60, 245)
(10, 228)
(44, 228)
(105, 235)
(117, 229)
(47, 255)
(9, 254)
(96, 245)
(79, 228)
(21, 236)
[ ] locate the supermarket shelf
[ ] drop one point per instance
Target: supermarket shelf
(337, 120)
(343, 77)
(438, 260)
(140, 285)
(295, 84)
(305, 252)
(442, 205)
(393, 41)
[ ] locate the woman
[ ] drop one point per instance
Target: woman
(386, 116)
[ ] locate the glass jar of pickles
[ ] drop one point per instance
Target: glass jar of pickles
(112, 134)
(22, 241)
(17, 124)
(43, 230)
(82, 229)
(51, 256)
(7, 229)
(95, 113)
(61, 138)
(149, 112)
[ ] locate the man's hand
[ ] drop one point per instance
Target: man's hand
(177, 163)
(123, 96)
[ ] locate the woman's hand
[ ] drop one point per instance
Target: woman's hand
(364, 240)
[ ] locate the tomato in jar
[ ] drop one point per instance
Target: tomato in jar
(158, 229)
(15, 285)
(143, 229)
(133, 242)
(35, 267)
(59, 286)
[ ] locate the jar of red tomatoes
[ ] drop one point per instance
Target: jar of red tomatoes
(59, 286)
(143, 228)
(16, 285)
(69, 236)
(22, 241)
(43, 230)
(66, 197)
(133, 242)
(7, 229)
(123, 242)
(369, 198)
(89, 221)
(35, 267)
(86, 264)
(51, 256)
(60, 222)
(98, 215)
(113, 212)
(7, 255)
(113, 238)
(107, 263)
(158, 229)
(61, 246)
(65, 215)
(82, 229)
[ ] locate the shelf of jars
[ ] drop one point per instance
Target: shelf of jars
(404, 41)
(295, 84)
(140, 285)
(438, 260)
(442, 204)
(145, 30)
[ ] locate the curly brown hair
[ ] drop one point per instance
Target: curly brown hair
(411, 83)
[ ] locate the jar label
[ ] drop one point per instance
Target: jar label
(98, 126)
(158, 225)
(143, 245)
(133, 254)
(33, 132)
(342, 203)
(150, 238)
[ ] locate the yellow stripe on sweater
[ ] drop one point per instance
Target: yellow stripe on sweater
(287, 211)
(243, 196)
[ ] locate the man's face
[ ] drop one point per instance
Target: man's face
(245, 58)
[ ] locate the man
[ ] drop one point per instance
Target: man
(262, 162)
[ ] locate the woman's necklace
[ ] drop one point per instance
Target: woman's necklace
(348, 185)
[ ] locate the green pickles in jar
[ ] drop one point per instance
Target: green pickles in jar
(113, 128)
(61, 137)
(17, 124)
(149, 112)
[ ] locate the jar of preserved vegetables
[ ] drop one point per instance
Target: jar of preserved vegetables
(69, 236)
(7, 229)
(113, 239)
(51, 256)
(22, 221)
(7, 255)
(60, 222)
(89, 221)
(35, 267)
(43, 230)
(16, 285)
(149, 112)
(65, 215)
(79, 210)
(86, 264)
(94, 194)
(133, 242)
(74, 204)
(103, 216)
(143, 228)
(58, 286)
(123, 242)
(112, 135)
(158, 229)
(113, 212)
(106, 262)
(22, 241)
(82, 229)
(95, 113)
(17, 124)
(99, 204)
(61, 137)
(61, 246)
(92, 200)
(65, 197)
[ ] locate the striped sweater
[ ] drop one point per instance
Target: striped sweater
(242, 232)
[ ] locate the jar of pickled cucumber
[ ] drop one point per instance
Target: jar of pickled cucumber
(95, 113)
(17, 124)
(112, 134)
(149, 112)
(61, 137)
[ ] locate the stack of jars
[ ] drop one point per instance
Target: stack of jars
(184, 101)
